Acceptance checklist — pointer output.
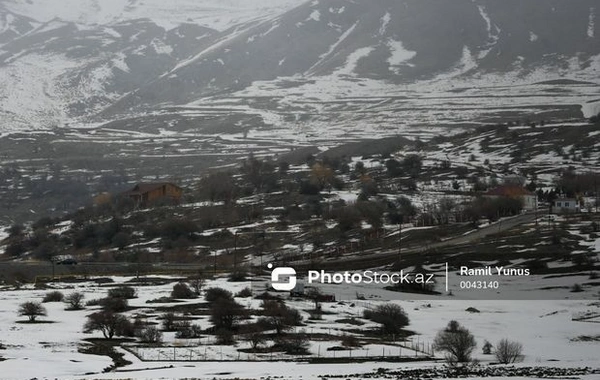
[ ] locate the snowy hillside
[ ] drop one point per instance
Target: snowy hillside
(213, 14)
(78, 61)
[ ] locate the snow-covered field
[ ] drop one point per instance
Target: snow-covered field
(546, 329)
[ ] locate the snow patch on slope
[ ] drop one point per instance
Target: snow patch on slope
(29, 92)
(533, 37)
(36, 90)
(467, 62)
(160, 47)
(119, 62)
(590, 109)
(400, 55)
(215, 14)
(225, 40)
(492, 30)
(352, 60)
(333, 47)
(591, 23)
(385, 21)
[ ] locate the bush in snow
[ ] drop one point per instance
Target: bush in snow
(32, 310)
(509, 352)
(244, 293)
(186, 330)
(54, 296)
(74, 301)
(225, 313)
(457, 342)
(225, 336)
(169, 321)
(150, 334)
(391, 317)
(487, 348)
(294, 344)
(124, 291)
(213, 294)
(182, 291)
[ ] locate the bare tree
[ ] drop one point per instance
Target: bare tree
(508, 351)
(150, 335)
(74, 301)
(109, 323)
(457, 342)
(315, 294)
(168, 323)
(254, 335)
(279, 317)
(197, 282)
(225, 313)
(32, 310)
(391, 317)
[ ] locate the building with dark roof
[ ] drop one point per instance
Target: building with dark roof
(145, 193)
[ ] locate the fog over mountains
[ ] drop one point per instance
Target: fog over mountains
(284, 61)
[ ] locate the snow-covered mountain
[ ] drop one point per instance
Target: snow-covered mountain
(71, 61)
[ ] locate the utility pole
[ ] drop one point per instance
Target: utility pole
(596, 191)
(235, 251)
(400, 239)
(262, 247)
(536, 211)
(215, 264)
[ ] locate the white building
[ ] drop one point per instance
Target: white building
(564, 206)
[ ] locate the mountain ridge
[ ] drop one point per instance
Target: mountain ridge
(62, 71)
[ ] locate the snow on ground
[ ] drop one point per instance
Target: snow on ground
(545, 328)
(333, 47)
(399, 54)
(430, 102)
(45, 349)
(34, 88)
(218, 15)
(352, 60)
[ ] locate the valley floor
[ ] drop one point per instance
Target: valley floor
(550, 335)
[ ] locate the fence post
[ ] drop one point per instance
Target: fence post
(174, 353)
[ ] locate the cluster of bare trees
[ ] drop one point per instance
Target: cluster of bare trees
(457, 342)
(34, 309)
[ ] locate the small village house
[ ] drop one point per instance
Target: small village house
(528, 198)
(145, 193)
(564, 206)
